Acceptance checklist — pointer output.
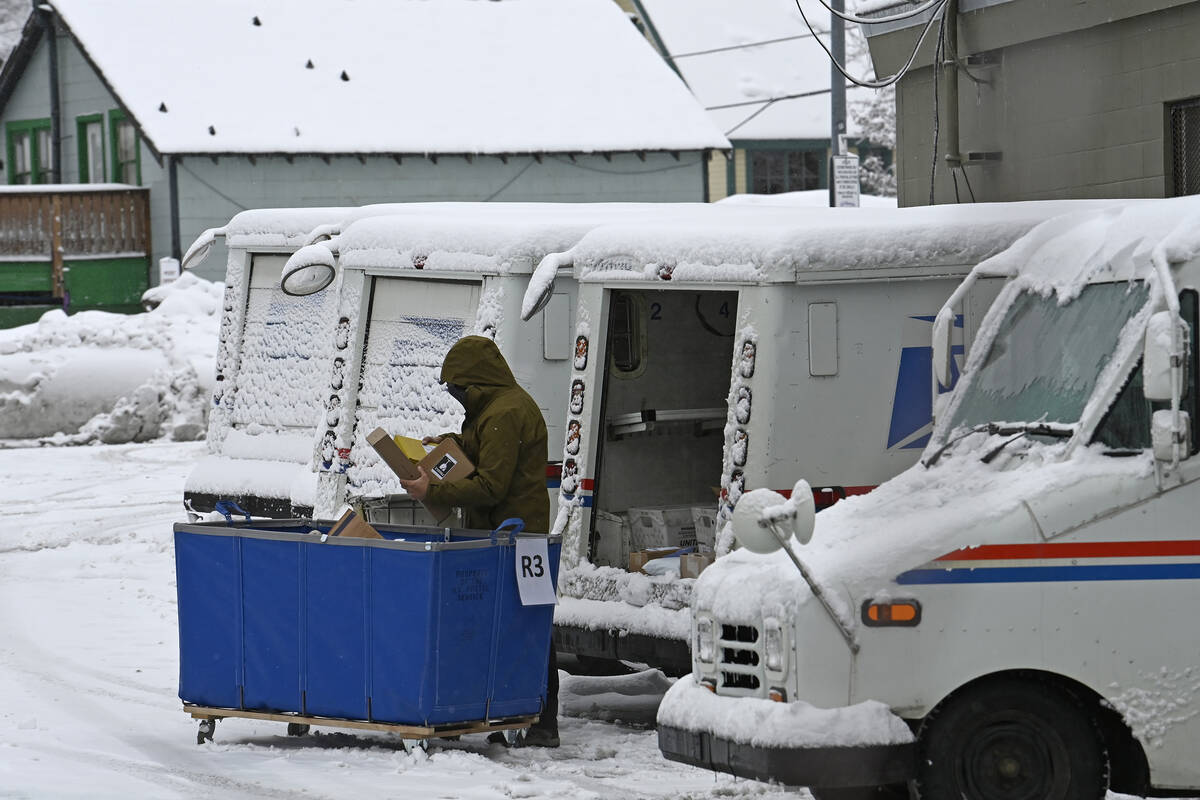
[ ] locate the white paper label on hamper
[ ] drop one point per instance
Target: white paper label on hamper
(533, 572)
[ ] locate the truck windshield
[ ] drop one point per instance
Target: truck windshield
(1045, 359)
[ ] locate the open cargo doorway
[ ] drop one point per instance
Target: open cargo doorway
(664, 407)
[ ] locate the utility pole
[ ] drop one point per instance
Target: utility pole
(843, 167)
(837, 84)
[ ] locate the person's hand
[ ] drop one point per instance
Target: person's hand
(432, 440)
(417, 487)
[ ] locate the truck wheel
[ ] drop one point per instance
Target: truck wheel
(1010, 740)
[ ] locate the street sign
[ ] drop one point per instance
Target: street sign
(845, 181)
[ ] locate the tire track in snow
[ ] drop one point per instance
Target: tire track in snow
(173, 776)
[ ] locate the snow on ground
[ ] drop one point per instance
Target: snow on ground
(89, 671)
(101, 377)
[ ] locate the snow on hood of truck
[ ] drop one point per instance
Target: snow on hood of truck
(861, 544)
(760, 242)
(388, 76)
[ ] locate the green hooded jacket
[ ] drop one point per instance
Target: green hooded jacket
(503, 434)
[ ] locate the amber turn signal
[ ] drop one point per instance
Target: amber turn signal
(778, 695)
(894, 613)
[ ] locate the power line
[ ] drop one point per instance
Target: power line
(879, 84)
(746, 45)
(767, 100)
(912, 12)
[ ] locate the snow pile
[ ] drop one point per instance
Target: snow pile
(112, 378)
(765, 723)
(627, 698)
(811, 198)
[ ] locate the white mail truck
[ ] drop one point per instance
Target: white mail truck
(336, 321)
(1014, 615)
(718, 352)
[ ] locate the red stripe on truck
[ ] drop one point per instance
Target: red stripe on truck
(995, 552)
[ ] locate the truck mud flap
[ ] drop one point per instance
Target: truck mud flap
(822, 767)
(672, 656)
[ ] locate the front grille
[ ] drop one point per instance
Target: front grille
(739, 633)
(740, 659)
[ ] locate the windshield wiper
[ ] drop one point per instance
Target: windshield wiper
(1006, 429)
(1026, 429)
(933, 459)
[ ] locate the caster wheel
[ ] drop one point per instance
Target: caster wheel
(414, 745)
(205, 732)
(297, 729)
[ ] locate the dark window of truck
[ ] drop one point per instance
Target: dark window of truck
(1183, 146)
(625, 333)
(1126, 426)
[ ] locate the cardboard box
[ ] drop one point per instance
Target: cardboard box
(692, 564)
(612, 540)
(446, 462)
(705, 520)
(351, 525)
(638, 558)
(661, 526)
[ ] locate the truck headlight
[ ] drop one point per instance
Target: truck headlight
(705, 646)
(773, 647)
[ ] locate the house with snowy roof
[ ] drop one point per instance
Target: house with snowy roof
(760, 72)
(216, 106)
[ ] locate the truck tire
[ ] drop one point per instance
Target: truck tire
(1010, 739)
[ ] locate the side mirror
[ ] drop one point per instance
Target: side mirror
(309, 270)
(541, 285)
(748, 525)
(1161, 354)
(943, 327)
(196, 254)
(806, 511)
(1170, 443)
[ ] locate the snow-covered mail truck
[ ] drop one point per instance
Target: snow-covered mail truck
(1015, 615)
(270, 368)
(743, 347)
(407, 282)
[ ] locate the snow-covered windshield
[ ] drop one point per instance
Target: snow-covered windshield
(1045, 359)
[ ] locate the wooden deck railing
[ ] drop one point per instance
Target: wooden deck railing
(52, 223)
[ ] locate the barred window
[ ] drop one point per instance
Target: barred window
(1184, 140)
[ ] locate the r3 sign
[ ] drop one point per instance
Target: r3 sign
(533, 572)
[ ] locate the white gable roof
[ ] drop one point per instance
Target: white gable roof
(691, 30)
(451, 76)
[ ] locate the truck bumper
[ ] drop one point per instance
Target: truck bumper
(672, 656)
(824, 767)
(255, 505)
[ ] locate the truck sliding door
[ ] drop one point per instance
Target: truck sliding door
(411, 324)
(281, 369)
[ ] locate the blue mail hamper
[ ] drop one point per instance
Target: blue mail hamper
(423, 627)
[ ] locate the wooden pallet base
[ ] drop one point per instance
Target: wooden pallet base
(405, 731)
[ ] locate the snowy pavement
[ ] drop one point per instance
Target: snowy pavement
(89, 671)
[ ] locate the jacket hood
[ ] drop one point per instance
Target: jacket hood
(476, 361)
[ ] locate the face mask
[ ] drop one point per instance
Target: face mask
(459, 393)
